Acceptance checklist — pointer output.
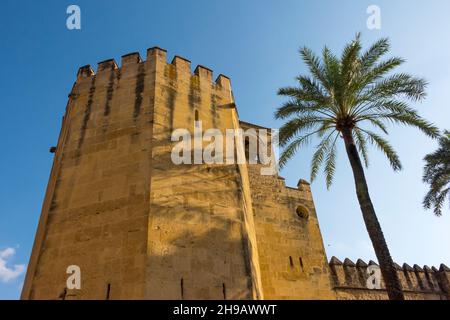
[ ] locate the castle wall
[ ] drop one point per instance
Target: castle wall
(99, 195)
(350, 281)
(291, 253)
(199, 243)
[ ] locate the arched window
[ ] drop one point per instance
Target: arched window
(251, 154)
(247, 149)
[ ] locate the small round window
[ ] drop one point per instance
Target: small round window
(302, 212)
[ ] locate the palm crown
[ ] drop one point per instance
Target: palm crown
(348, 93)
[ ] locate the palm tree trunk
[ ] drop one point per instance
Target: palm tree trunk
(388, 270)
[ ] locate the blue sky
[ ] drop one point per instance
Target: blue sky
(256, 44)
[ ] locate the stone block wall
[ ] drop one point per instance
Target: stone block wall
(350, 281)
(199, 242)
(95, 213)
(291, 252)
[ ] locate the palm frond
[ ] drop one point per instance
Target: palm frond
(385, 147)
(436, 200)
(380, 106)
(437, 175)
(361, 143)
(292, 148)
(315, 66)
(411, 120)
(291, 108)
(378, 124)
(374, 53)
(304, 95)
(295, 126)
(330, 163)
(401, 84)
(377, 72)
(326, 125)
(319, 155)
(350, 60)
(332, 69)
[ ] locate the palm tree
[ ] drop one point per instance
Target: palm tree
(337, 100)
(437, 175)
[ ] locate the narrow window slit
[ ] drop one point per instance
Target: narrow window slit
(63, 295)
(197, 118)
(108, 291)
(182, 288)
(291, 262)
(301, 262)
(224, 291)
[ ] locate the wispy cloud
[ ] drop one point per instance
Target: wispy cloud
(12, 272)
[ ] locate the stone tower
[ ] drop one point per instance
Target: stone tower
(139, 226)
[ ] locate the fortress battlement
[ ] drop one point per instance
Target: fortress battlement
(348, 276)
(180, 64)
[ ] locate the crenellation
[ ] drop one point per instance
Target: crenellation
(411, 277)
(361, 263)
(361, 268)
(401, 276)
(337, 272)
(349, 263)
(421, 278)
(157, 56)
(182, 64)
(304, 185)
(417, 268)
(352, 278)
(107, 65)
(407, 267)
(224, 82)
(418, 283)
(373, 263)
(131, 58)
(205, 74)
(156, 50)
(85, 72)
(432, 278)
(444, 276)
